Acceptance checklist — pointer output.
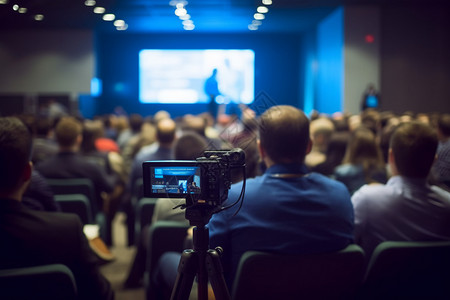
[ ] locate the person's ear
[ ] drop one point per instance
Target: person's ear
(309, 147)
(262, 152)
(391, 161)
(26, 175)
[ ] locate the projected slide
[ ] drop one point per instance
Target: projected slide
(180, 76)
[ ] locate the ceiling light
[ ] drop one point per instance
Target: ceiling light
(252, 27)
(119, 23)
(267, 2)
(15, 7)
(176, 2)
(262, 9)
(189, 27)
(89, 2)
(256, 22)
(39, 17)
(258, 16)
(22, 10)
(99, 10)
(186, 22)
(109, 17)
(121, 28)
(180, 5)
(180, 12)
(185, 17)
(3, 1)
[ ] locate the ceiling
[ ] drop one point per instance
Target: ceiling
(159, 16)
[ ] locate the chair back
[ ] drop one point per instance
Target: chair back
(144, 214)
(78, 204)
(76, 186)
(408, 270)
(334, 275)
(164, 236)
(54, 281)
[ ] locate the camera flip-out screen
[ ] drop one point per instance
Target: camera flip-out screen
(171, 179)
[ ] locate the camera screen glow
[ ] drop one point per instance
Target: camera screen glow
(179, 76)
(175, 180)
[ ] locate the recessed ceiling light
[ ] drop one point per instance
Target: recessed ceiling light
(15, 7)
(121, 28)
(180, 12)
(267, 2)
(23, 10)
(189, 27)
(39, 17)
(258, 16)
(99, 10)
(89, 2)
(252, 27)
(262, 9)
(119, 23)
(109, 17)
(3, 1)
(185, 17)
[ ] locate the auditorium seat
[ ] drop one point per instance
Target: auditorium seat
(75, 186)
(336, 275)
(78, 204)
(408, 270)
(144, 214)
(164, 236)
(53, 281)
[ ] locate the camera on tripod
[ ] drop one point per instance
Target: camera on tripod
(203, 182)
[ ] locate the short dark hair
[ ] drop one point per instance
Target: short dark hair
(67, 130)
(15, 151)
(189, 146)
(284, 133)
(443, 123)
(414, 145)
(165, 131)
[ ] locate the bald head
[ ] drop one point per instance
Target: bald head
(165, 131)
(284, 134)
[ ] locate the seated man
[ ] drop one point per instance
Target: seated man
(32, 238)
(69, 163)
(406, 208)
(286, 210)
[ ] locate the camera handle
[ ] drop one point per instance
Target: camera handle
(203, 262)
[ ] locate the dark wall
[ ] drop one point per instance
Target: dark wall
(276, 67)
(415, 58)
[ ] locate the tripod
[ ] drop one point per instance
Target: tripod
(203, 262)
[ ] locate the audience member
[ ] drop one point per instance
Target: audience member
(199, 125)
(441, 169)
(134, 127)
(406, 208)
(112, 164)
(363, 161)
(69, 163)
(43, 145)
(321, 130)
(334, 154)
(30, 237)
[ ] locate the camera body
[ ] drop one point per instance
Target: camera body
(203, 182)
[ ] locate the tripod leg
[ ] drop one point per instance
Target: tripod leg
(187, 269)
(215, 274)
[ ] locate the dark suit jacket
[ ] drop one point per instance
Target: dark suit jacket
(31, 238)
(74, 165)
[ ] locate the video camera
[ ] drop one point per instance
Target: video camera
(203, 182)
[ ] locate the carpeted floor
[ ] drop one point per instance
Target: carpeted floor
(117, 270)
